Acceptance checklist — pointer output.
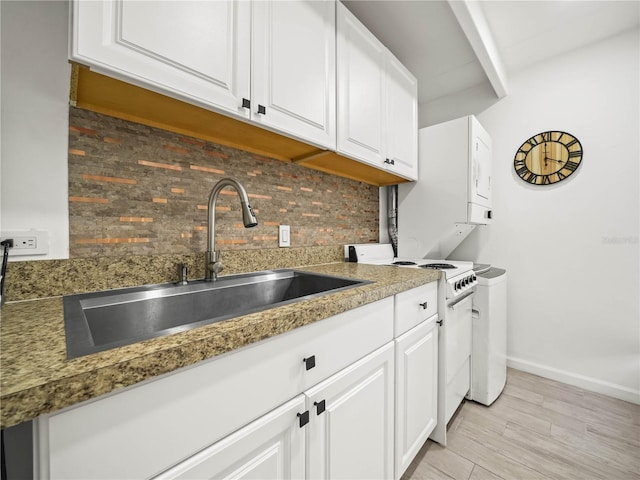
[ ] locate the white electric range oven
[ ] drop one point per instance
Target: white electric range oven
(455, 295)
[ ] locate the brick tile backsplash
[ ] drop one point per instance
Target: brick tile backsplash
(138, 190)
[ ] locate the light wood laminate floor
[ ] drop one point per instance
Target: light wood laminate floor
(537, 429)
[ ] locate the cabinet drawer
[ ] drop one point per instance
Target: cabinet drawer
(147, 428)
(415, 306)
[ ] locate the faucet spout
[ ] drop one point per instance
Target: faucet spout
(213, 264)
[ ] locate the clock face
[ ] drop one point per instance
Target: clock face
(547, 158)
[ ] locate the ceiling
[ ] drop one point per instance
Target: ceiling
(427, 36)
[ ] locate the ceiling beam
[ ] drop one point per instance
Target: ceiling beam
(474, 25)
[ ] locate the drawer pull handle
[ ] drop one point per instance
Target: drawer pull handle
(310, 362)
(424, 305)
(304, 418)
(320, 407)
(439, 322)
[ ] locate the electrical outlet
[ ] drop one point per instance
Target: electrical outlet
(27, 242)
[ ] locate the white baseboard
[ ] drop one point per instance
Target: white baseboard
(587, 383)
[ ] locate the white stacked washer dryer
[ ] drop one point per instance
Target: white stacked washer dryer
(451, 197)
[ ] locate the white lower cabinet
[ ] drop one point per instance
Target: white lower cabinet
(343, 428)
(351, 430)
(416, 390)
(272, 447)
(339, 398)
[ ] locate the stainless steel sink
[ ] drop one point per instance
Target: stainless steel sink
(103, 320)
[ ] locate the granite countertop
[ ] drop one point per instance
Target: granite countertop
(36, 378)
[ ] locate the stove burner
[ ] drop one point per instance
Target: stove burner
(438, 266)
(403, 262)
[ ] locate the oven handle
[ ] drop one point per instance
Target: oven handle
(452, 306)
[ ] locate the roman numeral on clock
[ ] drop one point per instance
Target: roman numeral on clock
(577, 153)
(571, 165)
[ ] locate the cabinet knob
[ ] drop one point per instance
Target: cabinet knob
(246, 103)
(424, 305)
(304, 418)
(262, 109)
(320, 407)
(439, 322)
(310, 362)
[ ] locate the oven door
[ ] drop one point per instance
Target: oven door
(458, 351)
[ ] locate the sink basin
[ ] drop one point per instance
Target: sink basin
(103, 320)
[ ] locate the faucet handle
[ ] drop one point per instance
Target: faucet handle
(217, 266)
(182, 274)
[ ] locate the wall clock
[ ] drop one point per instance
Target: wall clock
(547, 158)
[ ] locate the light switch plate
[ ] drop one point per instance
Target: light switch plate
(284, 236)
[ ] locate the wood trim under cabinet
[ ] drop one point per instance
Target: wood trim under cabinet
(106, 95)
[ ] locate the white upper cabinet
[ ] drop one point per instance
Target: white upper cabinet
(361, 101)
(401, 119)
(293, 68)
(272, 62)
(196, 51)
(307, 69)
(377, 101)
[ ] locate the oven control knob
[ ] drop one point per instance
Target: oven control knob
(457, 286)
(466, 281)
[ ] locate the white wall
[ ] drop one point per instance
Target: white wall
(35, 118)
(571, 250)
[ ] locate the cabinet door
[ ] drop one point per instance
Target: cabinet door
(293, 68)
(401, 120)
(272, 447)
(192, 50)
(416, 391)
(350, 434)
(361, 101)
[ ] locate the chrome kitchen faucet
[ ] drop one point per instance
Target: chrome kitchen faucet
(213, 264)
